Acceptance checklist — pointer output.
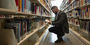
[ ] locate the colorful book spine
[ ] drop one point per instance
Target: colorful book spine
(32, 7)
(25, 27)
(89, 11)
(35, 9)
(18, 31)
(81, 2)
(17, 3)
(88, 1)
(22, 5)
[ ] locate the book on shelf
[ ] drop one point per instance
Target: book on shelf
(85, 12)
(85, 25)
(17, 4)
(83, 2)
(23, 5)
(33, 7)
(20, 6)
(20, 26)
(28, 6)
(18, 31)
(87, 1)
(70, 1)
(89, 11)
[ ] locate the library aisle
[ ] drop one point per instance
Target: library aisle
(69, 39)
(24, 22)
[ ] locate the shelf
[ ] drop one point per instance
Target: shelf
(68, 5)
(73, 24)
(27, 36)
(38, 41)
(73, 8)
(84, 19)
(13, 12)
(71, 16)
(88, 4)
(43, 6)
(82, 39)
(47, 4)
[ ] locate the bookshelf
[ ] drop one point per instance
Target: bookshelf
(13, 12)
(43, 34)
(26, 18)
(78, 13)
(86, 42)
(87, 4)
(27, 36)
(68, 5)
(43, 6)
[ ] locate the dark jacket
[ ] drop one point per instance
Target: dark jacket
(61, 22)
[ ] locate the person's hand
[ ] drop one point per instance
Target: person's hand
(49, 22)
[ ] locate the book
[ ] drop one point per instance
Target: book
(17, 4)
(23, 5)
(89, 11)
(18, 29)
(87, 1)
(28, 6)
(32, 7)
(81, 2)
(35, 9)
(20, 6)
(86, 11)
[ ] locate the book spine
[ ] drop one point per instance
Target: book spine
(22, 5)
(17, 3)
(35, 9)
(89, 11)
(25, 27)
(18, 31)
(88, 1)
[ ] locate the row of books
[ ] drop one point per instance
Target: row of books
(73, 21)
(44, 3)
(22, 26)
(83, 2)
(83, 13)
(28, 6)
(85, 25)
(23, 6)
(78, 3)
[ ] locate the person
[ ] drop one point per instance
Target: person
(60, 24)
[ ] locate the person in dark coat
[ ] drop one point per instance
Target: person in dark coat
(60, 24)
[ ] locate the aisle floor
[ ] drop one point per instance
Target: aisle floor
(69, 39)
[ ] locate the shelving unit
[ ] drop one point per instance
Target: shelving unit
(88, 4)
(34, 31)
(38, 41)
(13, 12)
(68, 5)
(78, 13)
(43, 6)
(24, 21)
